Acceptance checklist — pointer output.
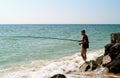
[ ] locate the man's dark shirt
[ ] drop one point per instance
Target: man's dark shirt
(86, 44)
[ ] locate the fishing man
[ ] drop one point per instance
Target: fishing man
(85, 45)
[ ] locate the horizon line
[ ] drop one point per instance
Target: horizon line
(51, 23)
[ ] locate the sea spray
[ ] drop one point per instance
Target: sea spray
(68, 66)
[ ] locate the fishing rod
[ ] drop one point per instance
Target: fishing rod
(53, 38)
(40, 38)
(56, 38)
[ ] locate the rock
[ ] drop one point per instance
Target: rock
(88, 66)
(103, 59)
(112, 50)
(114, 66)
(113, 58)
(99, 60)
(115, 38)
(84, 67)
(107, 48)
(106, 59)
(59, 76)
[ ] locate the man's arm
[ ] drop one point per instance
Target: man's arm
(80, 42)
(83, 41)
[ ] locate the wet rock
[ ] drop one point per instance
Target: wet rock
(114, 66)
(99, 60)
(114, 55)
(88, 66)
(59, 76)
(114, 50)
(106, 59)
(111, 51)
(107, 48)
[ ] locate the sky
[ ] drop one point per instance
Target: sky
(59, 11)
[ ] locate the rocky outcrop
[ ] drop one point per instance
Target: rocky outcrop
(114, 55)
(99, 60)
(110, 59)
(88, 66)
(114, 52)
(59, 76)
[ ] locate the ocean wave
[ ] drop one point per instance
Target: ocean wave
(68, 66)
(46, 69)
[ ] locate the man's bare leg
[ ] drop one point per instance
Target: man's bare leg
(83, 54)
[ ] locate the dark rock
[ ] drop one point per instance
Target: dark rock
(94, 65)
(107, 48)
(114, 54)
(59, 76)
(114, 50)
(114, 66)
(88, 66)
(115, 38)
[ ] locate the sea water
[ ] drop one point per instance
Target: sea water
(26, 48)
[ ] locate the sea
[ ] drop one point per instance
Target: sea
(42, 50)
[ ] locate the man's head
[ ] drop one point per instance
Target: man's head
(83, 32)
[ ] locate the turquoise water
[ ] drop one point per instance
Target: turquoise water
(23, 43)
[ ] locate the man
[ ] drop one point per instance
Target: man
(85, 45)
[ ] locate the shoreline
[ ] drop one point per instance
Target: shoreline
(68, 65)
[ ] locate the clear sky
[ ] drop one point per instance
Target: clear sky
(59, 11)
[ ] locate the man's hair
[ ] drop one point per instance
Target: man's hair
(83, 31)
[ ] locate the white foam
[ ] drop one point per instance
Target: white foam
(46, 69)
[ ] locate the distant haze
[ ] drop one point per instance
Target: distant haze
(59, 11)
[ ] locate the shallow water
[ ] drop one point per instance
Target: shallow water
(69, 66)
